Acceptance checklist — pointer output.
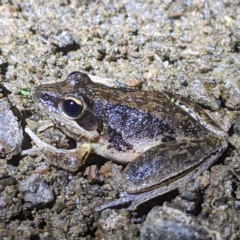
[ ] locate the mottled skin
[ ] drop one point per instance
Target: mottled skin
(163, 136)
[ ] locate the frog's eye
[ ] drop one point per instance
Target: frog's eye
(72, 106)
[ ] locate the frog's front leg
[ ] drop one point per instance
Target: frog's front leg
(70, 160)
(166, 167)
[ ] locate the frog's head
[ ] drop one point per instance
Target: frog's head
(67, 104)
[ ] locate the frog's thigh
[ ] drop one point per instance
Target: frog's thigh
(196, 112)
(168, 162)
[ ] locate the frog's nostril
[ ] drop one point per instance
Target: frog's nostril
(44, 96)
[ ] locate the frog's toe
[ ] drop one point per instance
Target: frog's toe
(124, 200)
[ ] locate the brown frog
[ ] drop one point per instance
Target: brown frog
(165, 139)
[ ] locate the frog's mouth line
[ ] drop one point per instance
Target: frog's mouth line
(72, 129)
(69, 126)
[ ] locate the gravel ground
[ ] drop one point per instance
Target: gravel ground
(189, 47)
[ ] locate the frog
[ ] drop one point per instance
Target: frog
(164, 139)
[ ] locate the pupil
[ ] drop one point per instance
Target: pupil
(71, 108)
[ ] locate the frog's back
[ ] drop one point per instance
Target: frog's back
(141, 114)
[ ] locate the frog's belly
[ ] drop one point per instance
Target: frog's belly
(136, 148)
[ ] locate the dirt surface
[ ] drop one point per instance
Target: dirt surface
(189, 47)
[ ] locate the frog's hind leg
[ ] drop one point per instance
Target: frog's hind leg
(166, 167)
(196, 112)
